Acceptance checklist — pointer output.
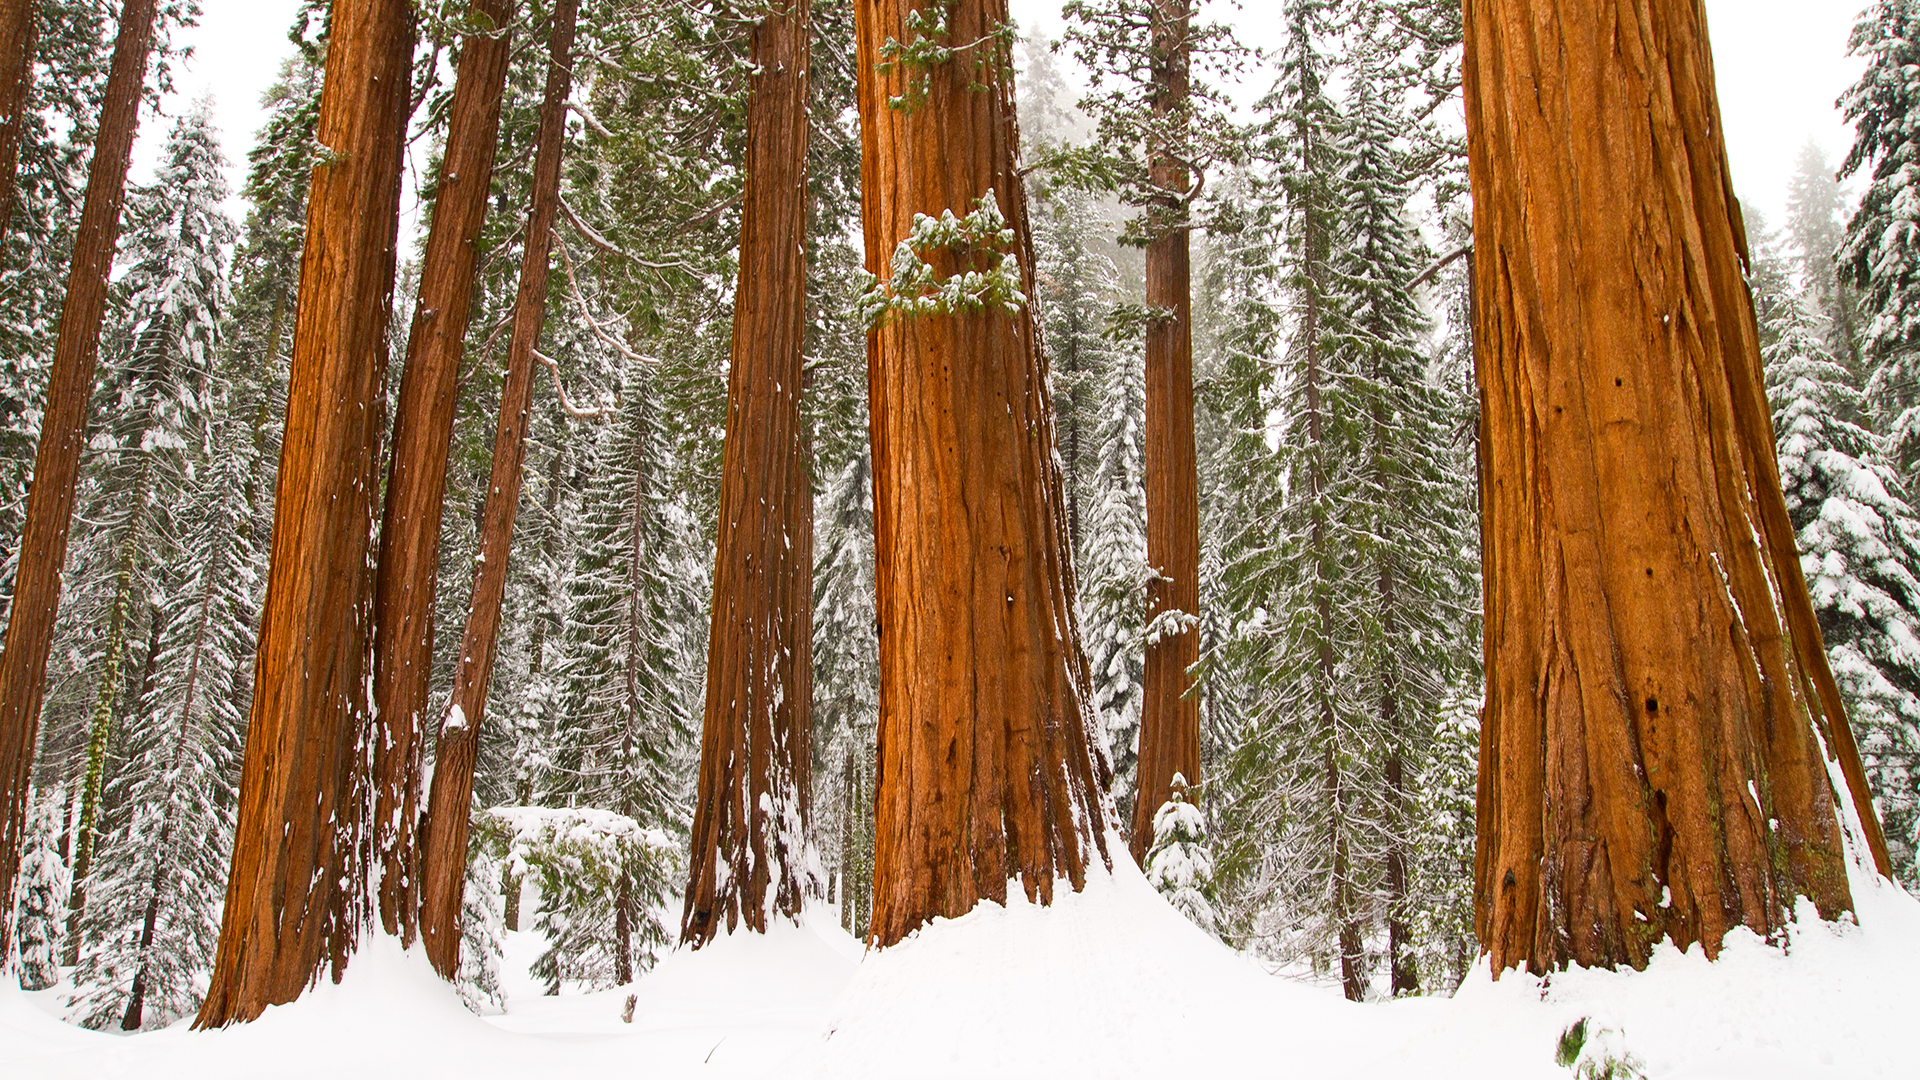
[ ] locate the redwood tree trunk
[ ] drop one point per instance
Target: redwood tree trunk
(1169, 715)
(63, 430)
(409, 561)
(444, 874)
(1649, 766)
(986, 771)
(295, 895)
(752, 804)
(16, 85)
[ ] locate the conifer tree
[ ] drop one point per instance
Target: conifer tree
(1816, 223)
(156, 397)
(1860, 550)
(39, 906)
(1881, 254)
(846, 681)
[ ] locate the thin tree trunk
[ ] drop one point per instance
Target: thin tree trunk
(755, 750)
(444, 874)
(1169, 712)
(409, 562)
(63, 428)
(1649, 767)
(1400, 962)
(986, 768)
(16, 86)
(295, 895)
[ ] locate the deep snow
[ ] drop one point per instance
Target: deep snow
(1110, 982)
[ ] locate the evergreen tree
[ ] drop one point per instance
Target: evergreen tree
(622, 730)
(155, 397)
(1180, 863)
(1816, 224)
(846, 681)
(1860, 551)
(1881, 255)
(40, 905)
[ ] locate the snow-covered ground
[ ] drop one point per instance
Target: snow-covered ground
(1108, 983)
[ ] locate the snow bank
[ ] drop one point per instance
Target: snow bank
(1109, 983)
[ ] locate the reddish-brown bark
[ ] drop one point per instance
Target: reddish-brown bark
(63, 430)
(16, 82)
(986, 771)
(443, 874)
(1169, 714)
(296, 892)
(755, 750)
(409, 560)
(1649, 765)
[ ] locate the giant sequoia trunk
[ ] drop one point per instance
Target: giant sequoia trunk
(1649, 764)
(986, 768)
(755, 750)
(443, 875)
(16, 84)
(63, 430)
(417, 479)
(295, 895)
(1169, 715)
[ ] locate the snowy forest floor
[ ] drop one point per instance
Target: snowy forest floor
(1108, 983)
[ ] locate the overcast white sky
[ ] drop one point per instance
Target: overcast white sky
(1781, 64)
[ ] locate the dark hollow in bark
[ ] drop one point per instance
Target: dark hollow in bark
(755, 748)
(986, 771)
(443, 875)
(1649, 767)
(63, 431)
(1169, 715)
(409, 560)
(295, 895)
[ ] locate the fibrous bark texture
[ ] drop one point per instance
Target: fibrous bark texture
(986, 770)
(295, 895)
(1169, 715)
(1649, 767)
(16, 81)
(409, 560)
(63, 431)
(443, 874)
(750, 812)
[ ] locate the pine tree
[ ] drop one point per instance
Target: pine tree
(1411, 500)
(1860, 550)
(622, 729)
(1180, 863)
(40, 904)
(846, 681)
(1881, 255)
(1816, 223)
(155, 397)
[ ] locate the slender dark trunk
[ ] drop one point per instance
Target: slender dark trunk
(63, 429)
(756, 745)
(444, 875)
(296, 892)
(409, 561)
